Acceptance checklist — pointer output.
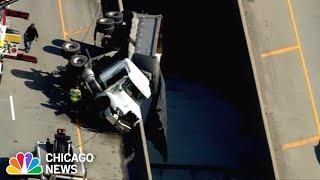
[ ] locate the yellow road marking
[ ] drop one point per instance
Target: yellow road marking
(305, 70)
(279, 51)
(79, 137)
(300, 142)
(77, 31)
(62, 19)
(64, 37)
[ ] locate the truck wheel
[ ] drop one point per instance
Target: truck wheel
(78, 60)
(116, 15)
(109, 30)
(105, 23)
(117, 23)
(69, 49)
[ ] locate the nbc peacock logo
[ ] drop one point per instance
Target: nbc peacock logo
(24, 164)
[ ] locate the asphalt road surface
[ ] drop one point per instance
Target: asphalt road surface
(32, 114)
(283, 40)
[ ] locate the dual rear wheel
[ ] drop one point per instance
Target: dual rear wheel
(71, 51)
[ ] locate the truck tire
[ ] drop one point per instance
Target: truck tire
(70, 49)
(105, 23)
(116, 15)
(78, 60)
(117, 23)
(109, 30)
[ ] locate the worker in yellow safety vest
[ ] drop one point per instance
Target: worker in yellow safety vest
(75, 97)
(75, 94)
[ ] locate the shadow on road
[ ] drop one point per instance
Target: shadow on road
(52, 50)
(44, 82)
(50, 85)
(317, 151)
(55, 48)
(58, 42)
(93, 50)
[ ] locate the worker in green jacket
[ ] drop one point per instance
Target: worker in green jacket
(75, 98)
(75, 94)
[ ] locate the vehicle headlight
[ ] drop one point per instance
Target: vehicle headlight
(119, 112)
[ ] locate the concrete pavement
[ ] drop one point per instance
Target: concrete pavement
(283, 41)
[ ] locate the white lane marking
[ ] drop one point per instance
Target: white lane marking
(12, 108)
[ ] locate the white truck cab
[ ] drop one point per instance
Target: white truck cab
(127, 87)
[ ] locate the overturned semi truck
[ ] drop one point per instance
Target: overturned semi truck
(121, 73)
